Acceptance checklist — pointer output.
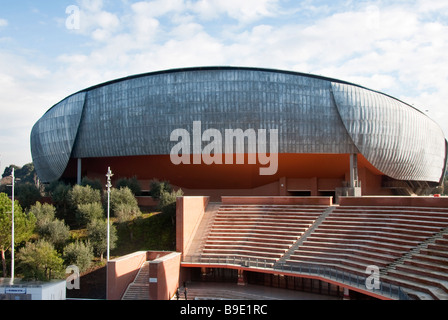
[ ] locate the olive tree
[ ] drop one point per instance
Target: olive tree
(24, 225)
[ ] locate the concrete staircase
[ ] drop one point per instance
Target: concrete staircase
(423, 271)
(304, 236)
(139, 289)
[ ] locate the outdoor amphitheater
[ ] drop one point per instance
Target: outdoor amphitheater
(315, 186)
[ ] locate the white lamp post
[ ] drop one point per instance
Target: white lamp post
(12, 227)
(108, 186)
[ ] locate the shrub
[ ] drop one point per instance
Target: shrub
(167, 203)
(44, 213)
(88, 212)
(122, 196)
(125, 212)
(27, 194)
(80, 254)
(131, 183)
(157, 187)
(56, 232)
(94, 184)
(82, 195)
(59, 193)
(40, 261)
(97, 234)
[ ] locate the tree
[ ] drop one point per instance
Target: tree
(94, 184)
(44, 213)
(88, 212)
(80, 196)
(157, 187)
(167, 203)
(48, 227)
(80, 254)
(27, 194)
(25, 174)
(24, 225)
(40, 261)
(56, 232)
(131, 183)
(8, 170)
(97, 234)
(123, 199)
(59, 193)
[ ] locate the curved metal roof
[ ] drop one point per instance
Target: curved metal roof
(313, 114)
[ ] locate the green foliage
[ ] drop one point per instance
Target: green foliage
(56, 232)
(8, 170)
(59, 193)
(94, 184)
(125, 212)
(131, 183)
(157, 187)
(97, 234)
(88, 212)
(80, 254)
(81, 200)
(25, 174)
(24, 225)
(27, 194)
(44, 213)
(40, 261)
(120, 197)
(48, 227)
(167, 203)
(82, 195)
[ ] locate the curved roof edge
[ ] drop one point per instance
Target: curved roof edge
(207, 68)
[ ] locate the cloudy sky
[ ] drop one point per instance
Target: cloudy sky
(50, 49)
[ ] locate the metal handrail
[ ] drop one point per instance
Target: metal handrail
(326, 272)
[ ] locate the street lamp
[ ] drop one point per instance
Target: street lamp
(108, 186)
(12, 227)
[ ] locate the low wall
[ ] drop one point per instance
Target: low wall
(396, 201)
(147, 201)
(326, 201)
(164, 276)
(121, 272)
(189, 213)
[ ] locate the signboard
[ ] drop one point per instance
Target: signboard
(15, 290)
(152, 280)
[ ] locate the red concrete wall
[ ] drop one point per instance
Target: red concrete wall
(189, 212)
(147, 202)
(394, 201)
(121, 272)
(166, 270)
(234, 177)
(326, 201)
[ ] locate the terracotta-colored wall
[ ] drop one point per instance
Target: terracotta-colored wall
(189, 212)
(166, 270)
(121, 272)
(327, 201)
(394, 201)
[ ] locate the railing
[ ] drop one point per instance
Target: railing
(325, 272)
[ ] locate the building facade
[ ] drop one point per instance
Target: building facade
(331, 134)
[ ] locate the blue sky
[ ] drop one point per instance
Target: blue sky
(397, 47)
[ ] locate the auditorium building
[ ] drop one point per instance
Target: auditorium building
(291, 180)
(319, 136)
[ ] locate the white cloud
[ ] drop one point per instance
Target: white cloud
(243, 11)
(3, 22)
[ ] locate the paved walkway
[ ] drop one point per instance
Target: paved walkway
(229, 291)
